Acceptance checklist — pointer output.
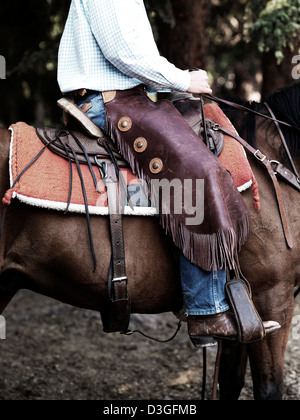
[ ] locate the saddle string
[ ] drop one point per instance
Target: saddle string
(117, 170)
(70, 176)
(70, 150)
(87, 213)
(88, 161)
(123, 186)
(57, 138)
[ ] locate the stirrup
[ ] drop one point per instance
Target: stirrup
(204, 341)
(72, 109)
(250, 326)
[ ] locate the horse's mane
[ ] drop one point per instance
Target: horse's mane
(285, 104)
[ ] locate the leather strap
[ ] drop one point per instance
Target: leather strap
(118, 314)
(244, 108)
(287, 175)
(283, 142)
(268, 164)
(292, 179)
(280, 169)
(279, 197)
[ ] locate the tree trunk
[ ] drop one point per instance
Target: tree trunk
(277, 76)
(185, 44)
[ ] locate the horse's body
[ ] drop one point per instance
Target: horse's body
(48, 252)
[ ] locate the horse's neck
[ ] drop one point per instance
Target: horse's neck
(297, 163)
(4, 138)
(268, 140)
(4, 143)
(4, 156)
(266, 137)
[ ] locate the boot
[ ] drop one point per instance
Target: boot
(204, 331)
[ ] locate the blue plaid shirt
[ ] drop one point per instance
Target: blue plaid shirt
(109, 45)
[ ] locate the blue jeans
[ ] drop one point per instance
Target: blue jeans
(203, 292)
(97, 111)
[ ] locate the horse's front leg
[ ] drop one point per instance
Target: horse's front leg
(8, 287)
(5, 298)
(267, 356)
(232, 370)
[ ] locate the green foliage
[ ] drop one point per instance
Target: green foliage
(30, 32)
(273, 25)
(161, 8)
(160, 12)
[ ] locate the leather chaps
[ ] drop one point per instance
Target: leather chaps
(162, 149)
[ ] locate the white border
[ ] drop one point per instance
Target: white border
(80, 208)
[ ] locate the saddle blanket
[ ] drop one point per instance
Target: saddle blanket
(45, 183)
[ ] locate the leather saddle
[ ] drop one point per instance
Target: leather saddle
(191, 109)
(64, 140)
(90, 145)
(98, 147)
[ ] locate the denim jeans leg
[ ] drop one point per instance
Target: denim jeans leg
(203, 292)
(97, 110)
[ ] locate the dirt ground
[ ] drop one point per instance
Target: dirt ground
(55, 352)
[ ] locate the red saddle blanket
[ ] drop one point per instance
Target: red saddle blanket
(46, 183)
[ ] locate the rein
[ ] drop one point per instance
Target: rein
(244, 108)
(288, 176)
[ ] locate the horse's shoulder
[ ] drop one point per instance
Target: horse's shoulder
(4, 138)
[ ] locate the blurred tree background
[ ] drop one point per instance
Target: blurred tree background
(246, 45)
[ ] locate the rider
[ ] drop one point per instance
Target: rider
(108, 45)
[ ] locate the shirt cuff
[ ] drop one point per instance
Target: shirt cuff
(183, 81)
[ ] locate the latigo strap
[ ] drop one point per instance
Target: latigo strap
(117, 316)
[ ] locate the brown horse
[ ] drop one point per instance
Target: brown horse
(48, 252)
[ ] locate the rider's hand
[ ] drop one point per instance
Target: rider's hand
(199, 82)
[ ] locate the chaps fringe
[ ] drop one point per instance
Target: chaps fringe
(216, 251)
